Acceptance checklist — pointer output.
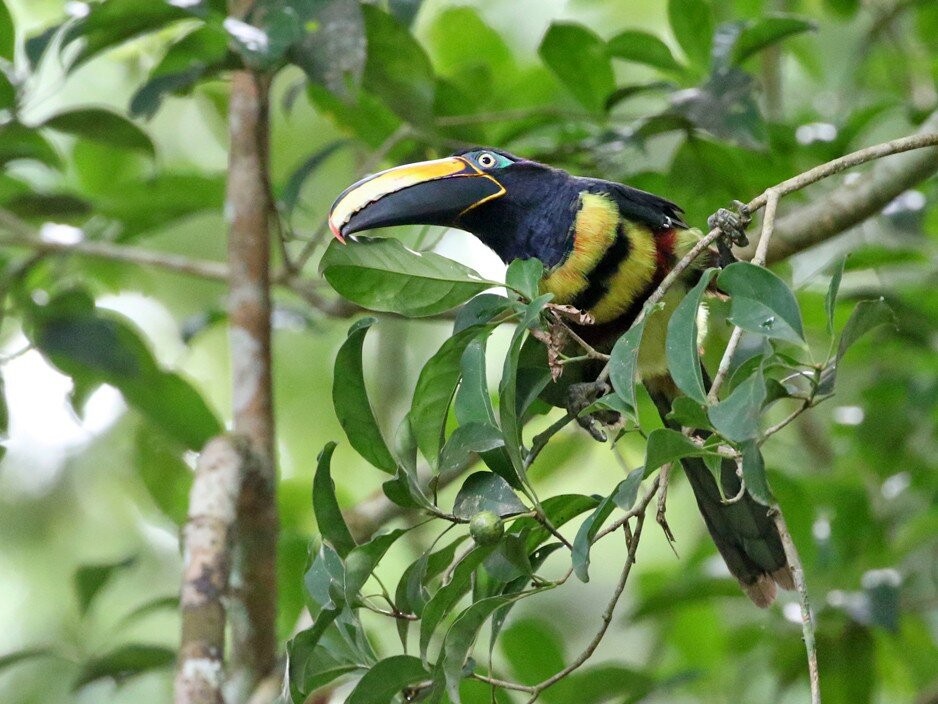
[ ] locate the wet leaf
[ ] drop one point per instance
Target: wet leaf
(761, 302)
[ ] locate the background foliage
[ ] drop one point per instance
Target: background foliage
(114, 133)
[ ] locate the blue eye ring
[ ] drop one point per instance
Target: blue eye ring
(491, 160)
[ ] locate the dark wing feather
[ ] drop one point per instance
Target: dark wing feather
(640, 206)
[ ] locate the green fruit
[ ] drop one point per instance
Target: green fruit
(486, 528)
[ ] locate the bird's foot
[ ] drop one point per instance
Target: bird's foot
(732, 223)
(582, 396)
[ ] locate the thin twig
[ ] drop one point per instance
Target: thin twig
(807, 618)
(606, 615)
(664, 475)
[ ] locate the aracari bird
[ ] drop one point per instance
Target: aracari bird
(605, 248)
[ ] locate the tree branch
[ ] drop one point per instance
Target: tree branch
(254, 597)
(207, 540)
(854, 202)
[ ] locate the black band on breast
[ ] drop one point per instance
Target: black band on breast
(606, 267)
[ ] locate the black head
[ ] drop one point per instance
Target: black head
(517, 207)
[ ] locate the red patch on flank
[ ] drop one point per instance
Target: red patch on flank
(664, 248)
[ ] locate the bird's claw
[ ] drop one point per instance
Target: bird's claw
(732, 223)
(580, 397)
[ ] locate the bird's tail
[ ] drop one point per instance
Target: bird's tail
(742, 529)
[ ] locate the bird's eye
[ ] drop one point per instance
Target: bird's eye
(487, 160)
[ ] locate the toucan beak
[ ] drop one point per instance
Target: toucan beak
(434, 192)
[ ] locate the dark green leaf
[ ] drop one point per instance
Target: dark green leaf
(623, 93)
(48, 206)
(89, 580)
(446, 596)
(7, 34)
(692, 24)
(397, 69)
(666, 445)
(7, 92)
(386, 679)
(761, 302)
(125, 662)
(362, 560)
(509, 561)
(434, 393)
(95, 346)
(412, 595)
(329, 517)
(114, 22)
(623, 495)
(9, 660)
(737, 417)
(161, 467)
(623, 364)
(485, 491)
(524, 276)
(461, 637)
(767, 31)
(689, 413)
(405, 10)
(725, 105)
(681, 345)
(350, 398)
(581, 61)
(101, 126)
(20, 142)
(383, 275)
(754, 474)
(290, 194)
(195, 56)
(466, 440)
(867, 316)
(830, 300)
(480, 309)
(558, 510)
(472, 403)
(332, 50)
(644, 48)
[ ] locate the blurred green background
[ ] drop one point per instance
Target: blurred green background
(92, 492)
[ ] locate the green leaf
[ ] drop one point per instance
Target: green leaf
(580, 59)
(350, 398)
(386, 679)
(830, 300)
(622, 496)
(329, 516)
(434, 393)
(411, 595)
(689, 413)
(472, 403)
(116, 21)
(767, 31)
(332, 50)
(558, 510)
(466, 440)
(754, 474)
(7, 33)
(94, 346)
(737, 417)
(397, 69)
(383, 275)
(681, 343)
(666, 445)
(197, 55)
(362, 560)
(644, 48)
(102, 126)
(481, 309)
(9, 660)
(89, 580)
(485, 491)
(159, 463)
(866, 316)
(125, 662)
(692, 24)
(20, 142)
(462, 636)
(761, 302)
(524, 276)
(623, 363)
(290, 194)
(445, 599)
